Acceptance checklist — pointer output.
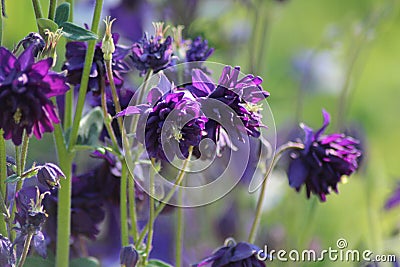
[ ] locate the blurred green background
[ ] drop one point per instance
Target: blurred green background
(307, 52)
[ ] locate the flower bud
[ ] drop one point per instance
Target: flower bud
(129, 256)
(108, 46)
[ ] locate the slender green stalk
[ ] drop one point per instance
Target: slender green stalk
(3, 176)
(52, 9)
(132, 208)
(257, 217)
(1, 23)
(164, 202)
(151, 214)
(179, 230)
(37, 9)
(114, 92)
(85, 75)
(24, 150)
(27, 244)
(123, 207)
(68, 106)
(71, 10)
(309, 220)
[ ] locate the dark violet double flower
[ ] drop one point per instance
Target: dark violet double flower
(7, 254)
(242, 96)
(234, 255)
(198, 50)
(323, 161)
(152, 53)
(25, 91)
(75, 60)
(169, 124)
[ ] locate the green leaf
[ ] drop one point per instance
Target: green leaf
(157, 263)
(35, 261)
(13, 178)
(62, 13)
(77, 33)
(47, 24)
(90, 127)
(84, 262)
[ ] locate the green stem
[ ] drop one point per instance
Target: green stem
(85, 75)
(3, 176)
(308, 223)
(132, 208)
(257, 217)
(27, 244)
(114, 92)
(52, 9)
(1, 23)
(151, 216)
(123, 207)
(164, 202)
(24, 151)
(68, 106)
(37, 9)
(179, 230)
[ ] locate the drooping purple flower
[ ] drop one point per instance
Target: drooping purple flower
(169, 124)
(240, 95)
(7, 254)
(25, 91)
(234, 255)
(75, 60)
(198, 50)
(323, 161)
(30, 218)
(49, 175)
(151, 53)
(394, 199)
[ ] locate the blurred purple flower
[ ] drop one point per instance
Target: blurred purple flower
(323, 161)
(75, 60)
(7, 254)
(198, 50)
(151, 53)
(240, 254)
(394, 199)
(25, 91)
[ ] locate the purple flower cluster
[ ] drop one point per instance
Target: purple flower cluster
(198, 50)
(25, 91)
(323, 161)
(188, 109)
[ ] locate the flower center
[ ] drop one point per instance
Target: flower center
(176, 133)
(253, 107)
(17, 116)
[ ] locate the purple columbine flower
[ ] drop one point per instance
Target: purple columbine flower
(168, 124)
(25, 91)
(234, 255)
(198, 50)
(323, 161)
(240, 95)
(30, 218)
(152, 53)
(49, 175)
(394, 200)
(75, 60)
(33, 39)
